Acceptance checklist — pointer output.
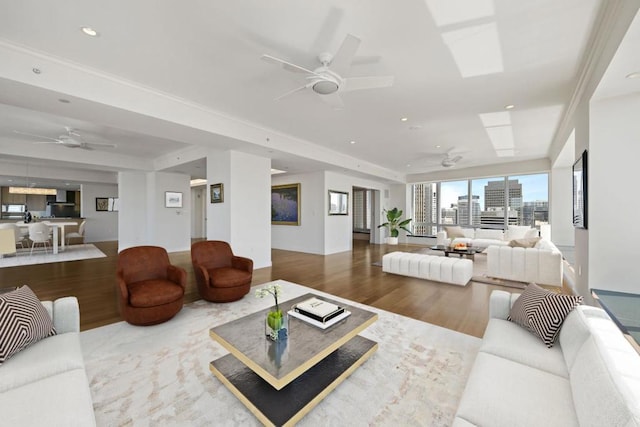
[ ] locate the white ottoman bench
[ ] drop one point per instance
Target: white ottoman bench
(457, 271)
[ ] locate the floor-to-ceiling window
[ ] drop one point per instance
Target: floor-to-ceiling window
(495, 202)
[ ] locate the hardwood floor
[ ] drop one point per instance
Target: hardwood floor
(350, 275)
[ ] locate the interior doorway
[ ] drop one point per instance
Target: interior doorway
(366, 203)
(198, 212)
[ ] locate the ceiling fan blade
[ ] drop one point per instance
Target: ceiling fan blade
(48, 142)
(456, 159)
(298, 89)
(373, 82)
(333, 100)
(286, 65)
(71, 131)
(37, 136)
(341, 62)
(101, 144)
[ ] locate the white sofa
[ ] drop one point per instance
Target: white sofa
(590, 377)
(483, 237)
(478, 237)
(45, 384)
(456, 271)
(541, 264)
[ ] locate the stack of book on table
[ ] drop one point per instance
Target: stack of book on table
(319, 312)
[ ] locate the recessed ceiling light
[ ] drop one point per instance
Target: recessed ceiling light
(404, 119)
(634, 75)
(89, 31)
(352, 142)
(437, 146)
(36, 70)
(509, 107)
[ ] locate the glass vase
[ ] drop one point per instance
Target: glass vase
(276, 325)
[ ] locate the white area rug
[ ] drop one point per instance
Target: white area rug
(159, 375)
(71, 253)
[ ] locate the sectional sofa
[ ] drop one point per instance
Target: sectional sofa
(483, 237)
(45, 384)
(590, 377)
(542, 263)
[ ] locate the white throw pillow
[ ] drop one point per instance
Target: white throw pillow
(517, 232)
(483, 233)
(531, 233)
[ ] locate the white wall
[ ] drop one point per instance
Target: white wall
(101, 226)
(561, 206)
(614, 150)
(143, 217)
(338, 229)
(581, 236)
(219, 214)
(309, 235)
(169, 228)
(132, 217)
(198, 199)
(249, 193)
(243, 218)
(319, 232)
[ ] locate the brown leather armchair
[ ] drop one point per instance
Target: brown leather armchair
(150, 289)
(220, 275)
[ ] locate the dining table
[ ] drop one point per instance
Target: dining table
(54, 226)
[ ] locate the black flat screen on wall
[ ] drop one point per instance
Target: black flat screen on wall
(580, 191)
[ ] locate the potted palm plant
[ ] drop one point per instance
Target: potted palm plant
(394, 225)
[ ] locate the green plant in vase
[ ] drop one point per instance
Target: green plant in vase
(276, 323)
(394, 224)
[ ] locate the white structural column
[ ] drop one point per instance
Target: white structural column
(244, 217)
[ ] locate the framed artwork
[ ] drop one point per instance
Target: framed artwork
(102, 204)
(580, 191)
(338, 203)
(217, 193)
(285, 204)
(172, 199)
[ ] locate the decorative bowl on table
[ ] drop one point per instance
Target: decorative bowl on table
(460, 246)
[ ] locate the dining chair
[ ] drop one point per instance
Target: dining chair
(39, 233)
(7, 242)
(76, 234)
(20, 238)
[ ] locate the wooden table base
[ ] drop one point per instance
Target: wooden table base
(288, 405)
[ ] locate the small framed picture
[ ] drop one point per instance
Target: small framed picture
(172, 199)
(217, 193)
(102, 204)
(338, 203)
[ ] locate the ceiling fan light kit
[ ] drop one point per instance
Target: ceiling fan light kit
(328, 78)
(70, 140)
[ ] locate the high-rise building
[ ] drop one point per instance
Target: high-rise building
(535, 213)
(463, 210)
(494, 196)
(425, 209)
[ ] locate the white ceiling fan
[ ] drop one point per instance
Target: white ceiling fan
(70, 140)
(450, 160)
(328, 80)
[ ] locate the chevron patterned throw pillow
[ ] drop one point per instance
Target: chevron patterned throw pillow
(23, 321)
(542, 312)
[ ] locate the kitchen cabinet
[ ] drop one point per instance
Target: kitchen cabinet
(12, 199)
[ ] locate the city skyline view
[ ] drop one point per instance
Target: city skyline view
(534, 187)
